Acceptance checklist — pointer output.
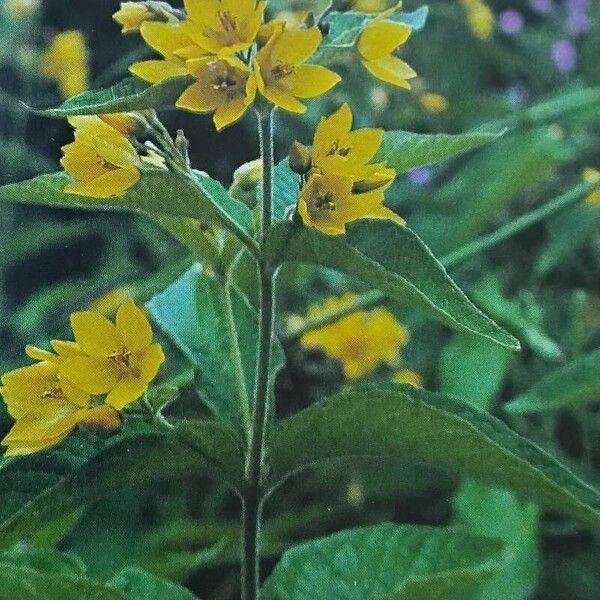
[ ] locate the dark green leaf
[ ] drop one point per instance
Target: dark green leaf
(384, 562)
(400, 421)
(157, 193)
(574, 384)
(46, 561)
(132, 461)
(131, 94)
(142, 585)
(199, 328)
(392, 259)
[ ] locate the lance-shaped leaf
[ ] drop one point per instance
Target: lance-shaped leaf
(198, 327)
(400, 421)
(403, 150)
(384, 562)
(157, 193)
(209, 449)
(392, 259)
(572, 385)
(131, 94)
(139, 584)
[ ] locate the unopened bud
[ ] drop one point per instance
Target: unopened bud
(300, 159)
(245, 182)
(101, 419)
(126, 123)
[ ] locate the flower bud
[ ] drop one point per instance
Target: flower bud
(131, 15)
(101, 419)
(245, 182)
(300, 159)
(130, 124)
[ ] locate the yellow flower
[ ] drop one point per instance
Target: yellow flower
(591, 175)
(131, 15)
(281, 75)
(46, 407)
(22, 8)
(102, 160)
(65, 61)
(120, 359)
(361, 341)
(378, 42)
(175, 47)
(338, 150)
(328, 202)
(480, 18)
(435, 103)
(224, 86)
(223, 27)
(408, 376)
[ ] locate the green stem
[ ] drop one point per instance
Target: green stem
(374, 298)
(252, 493)
(236, 357)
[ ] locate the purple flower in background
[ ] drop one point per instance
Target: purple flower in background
(420, 175)
(564, 55)
(578, 19)
(510, 21)
(517, 94)
(541, 6)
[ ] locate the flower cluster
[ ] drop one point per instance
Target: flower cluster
(233, 56)
(340, 185)
(83, 382)
(361, 341)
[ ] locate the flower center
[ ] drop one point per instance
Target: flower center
(339, 150)
(227, 21)
(54, 393)
(121, 358)
(281, 70)
(324, 202)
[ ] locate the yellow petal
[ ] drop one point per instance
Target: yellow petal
(332, 128)
(95, 334)
(391, 70)
(152, 360)
(111, 184)
(91, 374)
(39, 354)
(309, 81)
(381, 38)
(229, 113)
(155, 71)
(164, 37)
(66, 349)
(101, 419)
(133, 326)
(125, 392)
(199, 98)
(294, 46)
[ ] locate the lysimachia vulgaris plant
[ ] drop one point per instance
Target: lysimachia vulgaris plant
(331, 203)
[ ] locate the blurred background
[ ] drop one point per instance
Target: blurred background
(481, 64)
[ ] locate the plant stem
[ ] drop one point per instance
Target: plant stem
(236, 357)
(374, 298)
(252, 493)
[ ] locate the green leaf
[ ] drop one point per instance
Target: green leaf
(157, 193)
(404, 150)
(47, 561)
(399, 421)
(139, 584)
(199, 329)
(392, 259)
(496, 513)
(383, 562)
(131, 94)
(132, 461)
(572, 385)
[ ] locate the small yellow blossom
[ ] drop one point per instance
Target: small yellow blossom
(281, 75)
(480, 18)
(223, 27)
(592, 175)
(377, 44)
(175, 47)
(22, 8)
(434, 103)
(46, 407)
(224, 86)
(408, 376)
(102, 160)
(131, 15)
(120, 359)
(66, 62)
(361, 341)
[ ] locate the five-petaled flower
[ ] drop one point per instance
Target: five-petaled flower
(377, 44)
(119, 359)
(361, 341)
(342, 185)
(281, 75)
(102, 160)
